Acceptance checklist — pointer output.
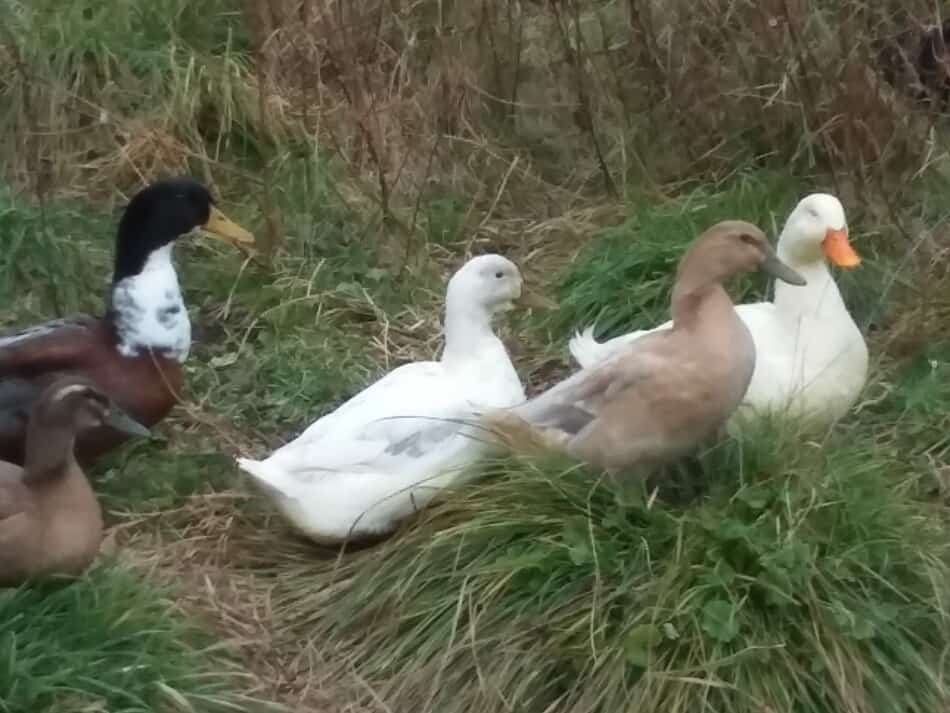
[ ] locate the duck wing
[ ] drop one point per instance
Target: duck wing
(408, 418)
(574, 403)
(47, 347)
(31, 359)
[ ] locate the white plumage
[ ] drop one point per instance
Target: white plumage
(388, 451)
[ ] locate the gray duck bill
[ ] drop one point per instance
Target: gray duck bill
(780, 271)
(121, 421)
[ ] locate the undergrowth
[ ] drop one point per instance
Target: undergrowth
(807, 579)
(372, 148)
(110, 641)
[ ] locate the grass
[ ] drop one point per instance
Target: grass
(644, 249)
(110, 641)
(809, 577)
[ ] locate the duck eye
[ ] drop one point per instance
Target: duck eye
(499, 274)
(747, 239)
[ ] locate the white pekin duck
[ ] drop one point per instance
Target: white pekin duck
(385, 453)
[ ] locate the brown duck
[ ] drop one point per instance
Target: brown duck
(134, 353)
(665, 393)
(50, 520)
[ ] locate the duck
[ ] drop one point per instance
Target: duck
(657, 398)
(50, 519)
(134, 353)
(812, 359)
(358, 472)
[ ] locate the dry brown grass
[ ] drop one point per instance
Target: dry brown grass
(401, 90)
(221, 557)
(523, 108)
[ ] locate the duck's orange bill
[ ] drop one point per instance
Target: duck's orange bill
(838, 249)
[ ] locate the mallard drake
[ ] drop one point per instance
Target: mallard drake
(135, 351)
(661, 396)
(811, 358)
(386, 452)
(50, 520)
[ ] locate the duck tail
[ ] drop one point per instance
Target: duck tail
(584, 348)
(266, 474)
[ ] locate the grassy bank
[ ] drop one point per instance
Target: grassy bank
(372, 149)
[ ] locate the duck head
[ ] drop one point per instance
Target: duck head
(73, 404)
(161, 213)
(65, 408)
(817, 230)
(488, 282)
(146, 306)
(730, 248)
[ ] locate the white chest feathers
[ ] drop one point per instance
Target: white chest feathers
(149, 311)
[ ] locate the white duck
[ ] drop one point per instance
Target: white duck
(387, 451)
(811, 358)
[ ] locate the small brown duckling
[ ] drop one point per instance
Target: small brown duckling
(665, 393)
(50, 520)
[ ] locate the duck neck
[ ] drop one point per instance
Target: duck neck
(49, 450)
(467, 328)
(694, 308)
(697, 295)
(147, 309)
(819, 297)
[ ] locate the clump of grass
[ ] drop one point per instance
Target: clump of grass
(807, 579)
(913, 404)
(109, 641)
(108, 93)
(623, 278)
(38, 244)
(141, 477)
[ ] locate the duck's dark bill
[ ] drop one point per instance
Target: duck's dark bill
(780, 271)
(121, 421)
(223, 228)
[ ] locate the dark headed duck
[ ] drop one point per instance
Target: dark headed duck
(134, 353)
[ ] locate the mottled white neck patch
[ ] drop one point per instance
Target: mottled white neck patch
(150, 312)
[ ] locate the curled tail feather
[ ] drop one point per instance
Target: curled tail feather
(266, 474)
(585, 349)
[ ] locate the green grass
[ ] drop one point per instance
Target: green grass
(109, 642)
(810, 575)
(807, 579)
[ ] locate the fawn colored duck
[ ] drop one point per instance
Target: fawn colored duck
(50, 519)
(659, 397)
